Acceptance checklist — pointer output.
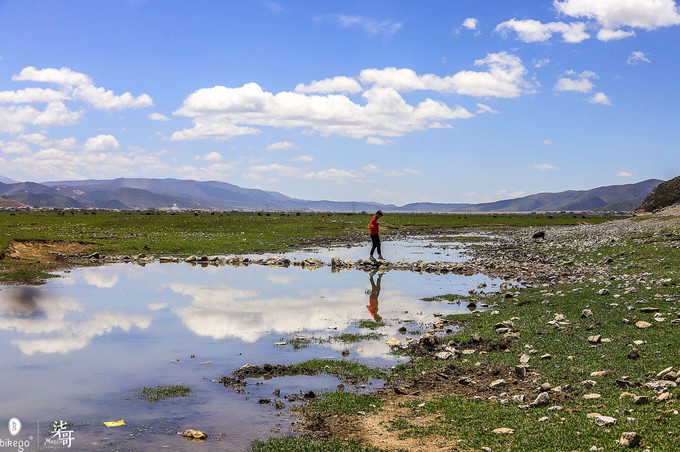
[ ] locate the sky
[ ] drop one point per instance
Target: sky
(385, 101)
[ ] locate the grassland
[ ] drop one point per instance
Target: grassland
(121, 233)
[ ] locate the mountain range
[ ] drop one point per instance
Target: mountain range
(141, 193)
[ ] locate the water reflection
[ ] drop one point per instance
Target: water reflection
(35, 312)
(373, 295)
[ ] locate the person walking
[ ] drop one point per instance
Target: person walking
(374, 229)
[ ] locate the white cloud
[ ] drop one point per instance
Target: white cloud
(302, 158)
(625, 173)
(13, 118)
(101, 143)
(611, 14)
(541, 63)
(31, 95)
(81, 87)
(580, 83)
(505, 78)
(607, 34)
(529, 30)
(14, 147)
(218, 111)
(210, 157)
(337, 84)
(282, 145)
(486, 109)
(637, 57)
(379, 141)
(470, 23)
(158, 117)
(547, 141)
(544, 166)
(339, 176)
(386, 28)
(371, 168)
(600, 98)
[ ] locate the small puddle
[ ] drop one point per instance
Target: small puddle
(75, 349)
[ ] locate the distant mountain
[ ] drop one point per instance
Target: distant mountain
(664, 195)
(609, 198)
(6, 180)
(9, 203)
(189, 194)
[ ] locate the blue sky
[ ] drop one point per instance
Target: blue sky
(388, 101)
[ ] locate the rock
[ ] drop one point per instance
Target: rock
(345, 353)
(402, 330)
(592, 396)
(443, 355)
(546, 356)
(639, 342)
(521, 371)
(556, 408)
(605, 421)
(497, 383)
(603, 292)
(538, 235)
(190, 433)
(664, 397)
(279, 405)
(524, 359)
(660, 386)
(542, 400)
(503, 431)
(586, 314)
(595, 339)
(394, 342)
(598, 373)
(589, 383)
(664, 372)
(544, 419)
(642, 324)
(520, 398)
(629, 439)
(649, 309)
(641, 400)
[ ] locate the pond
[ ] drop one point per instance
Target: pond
(77, 348)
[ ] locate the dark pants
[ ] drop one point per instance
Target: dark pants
(375, 239)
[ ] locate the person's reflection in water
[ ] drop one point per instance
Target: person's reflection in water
(373, 296)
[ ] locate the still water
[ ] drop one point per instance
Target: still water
(77, 348)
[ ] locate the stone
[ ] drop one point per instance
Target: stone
(598, 373)
(443, 355)
(664, 397)
(595, 339)
(629, 439)
(641, 400)
(520, 398)
(589, 383)
(345, 353)
(649, 309)
(542, 400)
(524, 359)
(642, 324)
(660, 386)
(605, 421)
(546, 356)
(586, 314)
(638, 342)
(592, 396)
(503, 431)
(664, 372)
(521, 371)
(544, 419)
(497, 383)
(603, 292)
(393, 342)
(556, 408)
(192, 434)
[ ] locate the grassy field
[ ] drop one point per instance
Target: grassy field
(222, 233)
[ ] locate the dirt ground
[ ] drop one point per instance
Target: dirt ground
(49, 252)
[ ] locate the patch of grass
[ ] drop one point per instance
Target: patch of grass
(310, 444)
(351, 338)
(448, 297)
(340, 402)
(342, 368)
(369, 324)
(162, 392)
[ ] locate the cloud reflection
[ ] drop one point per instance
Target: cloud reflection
(33, 311)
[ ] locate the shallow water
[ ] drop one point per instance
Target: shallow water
(76, 349)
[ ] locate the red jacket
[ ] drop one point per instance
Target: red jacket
(373, 226)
